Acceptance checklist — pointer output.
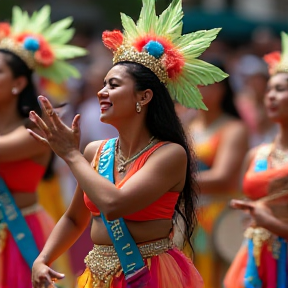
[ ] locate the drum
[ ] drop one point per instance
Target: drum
(227, 234)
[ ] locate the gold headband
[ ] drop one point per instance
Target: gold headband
(126, 53)
(25, 55)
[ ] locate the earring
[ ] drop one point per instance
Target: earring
(138, 107)
(14, 91)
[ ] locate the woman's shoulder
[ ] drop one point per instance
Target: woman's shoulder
(235, 128)
(169, 151)
(91, 149)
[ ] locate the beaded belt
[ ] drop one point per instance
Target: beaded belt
(25, 211)
(104, 263)
(260, 236)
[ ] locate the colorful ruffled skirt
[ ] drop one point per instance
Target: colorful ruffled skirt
(14, 271)
(168, 268)
(261, 262)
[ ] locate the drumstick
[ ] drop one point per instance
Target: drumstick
(266, 199)
(277, 196)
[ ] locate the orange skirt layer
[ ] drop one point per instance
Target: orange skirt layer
(171, 269)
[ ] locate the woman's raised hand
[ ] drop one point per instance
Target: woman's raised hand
(43, 276)
(53, 132)
(259, 212)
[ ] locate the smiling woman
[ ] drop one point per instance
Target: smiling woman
(135, 183)
(24, 49)
(262, 260)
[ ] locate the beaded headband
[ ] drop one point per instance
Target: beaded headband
(156, 42)
(40, 44)
(278, 61)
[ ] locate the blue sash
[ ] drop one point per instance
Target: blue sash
(128, 253)
(252, 279)
(17, 225)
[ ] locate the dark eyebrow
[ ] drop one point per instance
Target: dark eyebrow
(111, 79)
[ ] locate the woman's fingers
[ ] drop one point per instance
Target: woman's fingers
(56, 275)
(39, 123)
(47, 278)
(38, 137)
(242, 205)
(76, 124)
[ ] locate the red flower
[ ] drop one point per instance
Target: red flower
(44, 55)
(112, 39)
(4, 30)
(173, 60)
(272, 59)
(21, 37)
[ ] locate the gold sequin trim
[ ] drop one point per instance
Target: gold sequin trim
(104, 263)
(27, 56)
(259, 236)
(128, 53)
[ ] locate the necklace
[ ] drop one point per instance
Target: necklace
(122, 161)
(278, 156)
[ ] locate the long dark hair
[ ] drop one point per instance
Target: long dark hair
(163, 123)
(27, 98)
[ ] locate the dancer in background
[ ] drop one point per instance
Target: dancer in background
(135, 181)
(30, 45)
(221, 142)
(262, 260)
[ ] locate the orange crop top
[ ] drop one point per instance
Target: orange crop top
(21, 176)
(256, 184)
(163, 208)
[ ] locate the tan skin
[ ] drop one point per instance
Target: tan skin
(13, 134)
(276, 103)
(224, 173)
(164, 171)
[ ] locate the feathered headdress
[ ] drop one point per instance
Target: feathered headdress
(156, 42)
(277, 61)
(40, 44)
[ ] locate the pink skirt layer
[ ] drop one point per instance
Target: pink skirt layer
(267, 270)
(14, 272)
(171, 269)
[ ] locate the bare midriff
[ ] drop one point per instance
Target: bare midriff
(24, 199)
(141, 231)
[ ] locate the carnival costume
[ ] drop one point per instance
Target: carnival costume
(208, 260)
(156, 43)
(42, 47)
(262, 260)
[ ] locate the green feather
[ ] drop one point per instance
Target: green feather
(170, 21)
(192, 45)
(63, 36)
(147, 18)
(284, 43)
(59, 72)
(186, 94)
(68, 51)
(53, 31)
(40, 20)
(202, 73)
(129, 26)
(18, 21)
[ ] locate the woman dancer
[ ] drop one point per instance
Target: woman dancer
(262, 260)
(149, 164)
(24, 225)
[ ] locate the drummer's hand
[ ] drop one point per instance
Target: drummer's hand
(43, 276)
(63, 140)
(259, 212)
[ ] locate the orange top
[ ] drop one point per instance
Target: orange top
(163, 208)
(21, 176)
(256, 183)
